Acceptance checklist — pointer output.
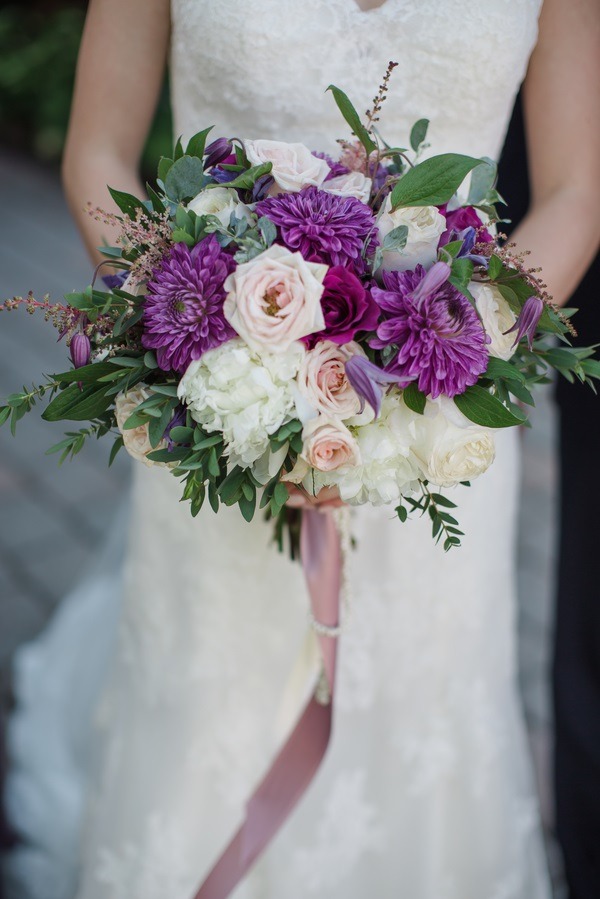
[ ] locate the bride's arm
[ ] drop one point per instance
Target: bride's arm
(119, 76)
(562, 227)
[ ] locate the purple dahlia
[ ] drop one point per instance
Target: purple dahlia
(323, 227)
(439, 338)
(183, 310)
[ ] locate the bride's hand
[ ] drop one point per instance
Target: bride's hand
(328, 498)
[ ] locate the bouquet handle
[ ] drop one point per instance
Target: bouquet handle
(300, 757)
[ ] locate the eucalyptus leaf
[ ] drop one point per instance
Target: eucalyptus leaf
(185, 179)
(433, 182)
(396, 238)
(163, 167)
(482, 181)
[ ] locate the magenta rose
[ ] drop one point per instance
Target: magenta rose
(347, 308)
(461, 218)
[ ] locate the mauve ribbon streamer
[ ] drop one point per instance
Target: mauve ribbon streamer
(299, 759)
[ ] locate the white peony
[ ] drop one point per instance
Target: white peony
(450, 448)
(135, 440)
(294, 166)
(243, 394)
(425, 226)
(388, 469)
(353, 184)
(497, 318)
(217, 201)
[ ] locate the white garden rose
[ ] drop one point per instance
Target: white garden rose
(294, 166)
(275, 299)
(135, 440)
(497, 318)
(245, 395)
(322, 379)
(352, 184)
(217, 201)
(425, 226)
(388, 469)
(450, 448)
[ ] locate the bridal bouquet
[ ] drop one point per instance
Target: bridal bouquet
(278, 317)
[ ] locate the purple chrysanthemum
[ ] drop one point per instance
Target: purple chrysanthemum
(183, 311)
(323, 227)
(440, 339)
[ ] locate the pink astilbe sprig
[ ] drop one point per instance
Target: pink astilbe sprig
(66, 319)
(515, 260)
(149, 234)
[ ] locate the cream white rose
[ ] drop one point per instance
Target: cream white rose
(294, 166)
(450, 448)
(275, 299)
(497, 318)
(352, 184)
(425, 226)
(328, 444)
(322, 379)
(218, 201)
(135, 440)
(245, 395)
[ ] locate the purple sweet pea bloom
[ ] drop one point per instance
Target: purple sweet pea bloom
(528, 320)
(261, 188)
(440, 339)
(347, 308)
(461, 218)
(183, 310)
(469, 239)
(368, 381)
(81, 349)
(115, 280)
(336, 168)
(218, 151)
(323, 227)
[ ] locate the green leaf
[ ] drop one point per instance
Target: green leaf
(281, 494)
(182, 435)
(414, 398)
(206, 442)
(494, 268)
(461, 274)
(114, 450)
(163, 167)
(498, 368)
(74, 404)
(482, 181)
(185, 179)
(396, 238)
(433, 181)
(402, 513)
(231, 486)
(248, 507)
(87, 374)
(197, 143)
(418, 133)
(127, 203)
(4, 414)
(178, 151)
(481, 407)
(440, 500)
(247, 179)
(181, 236)
(165, 389)
(352, 118)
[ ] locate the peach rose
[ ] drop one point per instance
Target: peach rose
(294, 166)
(322, 379)
(275, 299)
(135, 440)
(328, 444)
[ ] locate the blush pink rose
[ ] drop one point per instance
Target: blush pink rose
(275, 299)
(322, 379)
(294, 166)
(328, 444)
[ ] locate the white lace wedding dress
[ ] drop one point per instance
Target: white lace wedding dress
(426, 790)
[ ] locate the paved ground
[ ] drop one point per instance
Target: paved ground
(52, 518)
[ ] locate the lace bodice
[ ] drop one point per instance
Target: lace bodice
(260, 69)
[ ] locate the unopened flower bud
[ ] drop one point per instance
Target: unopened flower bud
(81, 349)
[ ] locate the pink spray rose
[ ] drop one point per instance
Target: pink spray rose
(323, 383)
(328, 444)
